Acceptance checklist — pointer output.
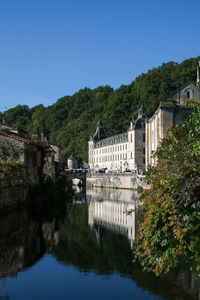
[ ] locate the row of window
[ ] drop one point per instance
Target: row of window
(115, 157)
(121, 147)
(123, 138)
(111, 158)
(111, 149)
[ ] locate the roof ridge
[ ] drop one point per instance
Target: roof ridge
(17, 137)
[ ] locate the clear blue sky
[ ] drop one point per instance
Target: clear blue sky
(52, 48)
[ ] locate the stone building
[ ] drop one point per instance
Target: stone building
(23, 149)
(48, 159)
(120, 152)
(59, 165)
(57, 149)
(172, 110)
(38, 155)
(72, 162)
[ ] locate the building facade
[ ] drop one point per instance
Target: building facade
(72, 162)
(120, 152)
(37, 154)
(24, 149)
(172, 110)
(133, 149)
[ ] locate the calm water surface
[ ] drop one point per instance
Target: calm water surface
(81, 251)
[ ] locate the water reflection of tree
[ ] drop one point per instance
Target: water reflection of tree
(78, 246)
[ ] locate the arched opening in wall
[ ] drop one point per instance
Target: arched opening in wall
(189, 94)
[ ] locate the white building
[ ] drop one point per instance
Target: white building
(119, 152)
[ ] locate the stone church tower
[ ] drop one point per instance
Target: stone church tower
(172, 110)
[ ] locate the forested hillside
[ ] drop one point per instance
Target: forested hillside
(72, 119)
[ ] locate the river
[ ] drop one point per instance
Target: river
(81, 249)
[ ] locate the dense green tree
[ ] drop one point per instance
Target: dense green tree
(19, 115)
(38, 120)
(72, 119)
(169, 233)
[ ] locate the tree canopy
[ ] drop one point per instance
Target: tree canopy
(72, 119)
(169, 234)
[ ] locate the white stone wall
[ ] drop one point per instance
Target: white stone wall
(91, 154)
(166, 115)
(112, 157)
(156, 128)
(119, 156)
(131, 149)
(112, 181)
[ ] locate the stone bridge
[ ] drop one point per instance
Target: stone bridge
(74, 180)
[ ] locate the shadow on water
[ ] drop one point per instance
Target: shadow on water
(29, 230)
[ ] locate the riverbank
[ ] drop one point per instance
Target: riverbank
(16, 190)
(117, 181)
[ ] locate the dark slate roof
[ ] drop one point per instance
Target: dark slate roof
(139, 123)
(99, 134)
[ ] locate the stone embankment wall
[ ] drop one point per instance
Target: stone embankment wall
(116, 181)
(12, 191)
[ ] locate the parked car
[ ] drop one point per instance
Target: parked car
(128, 171)
(97, 171)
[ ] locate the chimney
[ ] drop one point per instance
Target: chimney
(42, 136)
(132, 122)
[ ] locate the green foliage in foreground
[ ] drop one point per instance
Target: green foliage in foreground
(169, 234)
(72, 119)
(10, 165)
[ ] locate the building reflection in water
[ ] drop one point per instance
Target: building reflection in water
(117, 210)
